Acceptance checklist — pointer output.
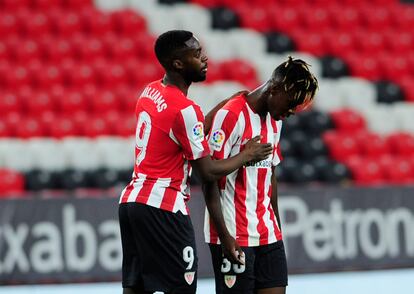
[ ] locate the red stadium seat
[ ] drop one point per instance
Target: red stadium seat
(316, 18)
(27, 51)
(123, 48)
(9, 102)
(49, 76)
(309, 42)
(8, 24)
(378, 18)
(401, 144)
(366, 172)
(63, 127)
(39, 103)
(4, 129)
(127, 97)
(90, 49)
(370, 42)
(45, 4)
(99, 24)
(240, 70)
(36, 24)
(341, 145)
(11, 182)
(4, 53)
(17, 78)
(399, 42)
(81, 75)
(345, 18)
(339, 43)
(397, 170)
(58, 50)
(126, 126)
(128, 22)
(287, 19)
(72, 102)
(67, 23)
(371, 145)
(403, 17)
(347, 120)
(104, 101)
(96, 126)
(364, 66)
(394, 66)
(145, 46)
(113, 76)
(13, 5)
(29, 128)
(256, 18)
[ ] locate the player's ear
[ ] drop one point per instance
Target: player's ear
(177, 64)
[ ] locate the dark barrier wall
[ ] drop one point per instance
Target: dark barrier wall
(73, 239)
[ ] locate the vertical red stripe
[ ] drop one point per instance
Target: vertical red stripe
(260, 208)
(128, 191)
(168, 200)
(145, 192)
(240, 187)
(240, 206)
(261, 180)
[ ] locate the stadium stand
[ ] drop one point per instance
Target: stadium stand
(71, 71)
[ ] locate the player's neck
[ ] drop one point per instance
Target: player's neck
(255, 102)
(176, 80)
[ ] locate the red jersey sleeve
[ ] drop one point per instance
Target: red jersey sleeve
(188, 131)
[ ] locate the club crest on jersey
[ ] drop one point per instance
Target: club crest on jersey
(189, 277)
(229, 280)
(198, 131)
(217, 139)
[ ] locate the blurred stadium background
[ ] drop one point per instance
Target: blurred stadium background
(70, 74)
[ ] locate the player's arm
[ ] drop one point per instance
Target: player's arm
(211, 170)
(274, 197)
(230, 247)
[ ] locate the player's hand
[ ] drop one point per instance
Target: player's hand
(232, 250)
(255, 151)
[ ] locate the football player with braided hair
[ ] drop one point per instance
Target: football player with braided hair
(249, 194)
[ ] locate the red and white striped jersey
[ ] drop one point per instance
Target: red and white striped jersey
(169, 133)
(245, 193)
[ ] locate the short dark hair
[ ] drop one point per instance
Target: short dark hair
(296, 79)
(168, 43)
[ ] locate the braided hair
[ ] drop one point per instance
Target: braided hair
(295, 78)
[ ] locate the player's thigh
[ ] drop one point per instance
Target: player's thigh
(271, 268)
(233, 278)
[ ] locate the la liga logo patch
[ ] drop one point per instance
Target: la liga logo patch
(198, 131)
(217, 139)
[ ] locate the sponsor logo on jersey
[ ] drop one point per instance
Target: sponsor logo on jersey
(229, 280)
(261, 164)
(217, 139)
(198, 131)
(189, 277)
